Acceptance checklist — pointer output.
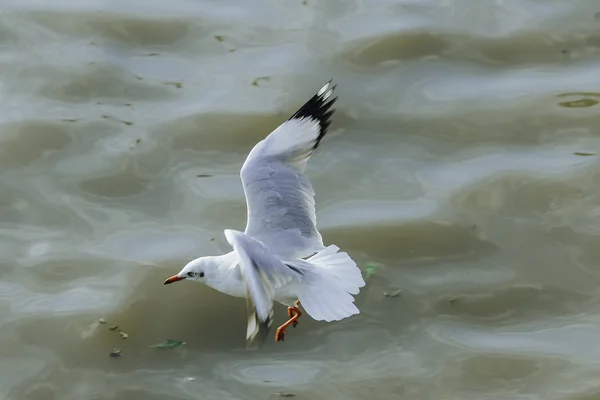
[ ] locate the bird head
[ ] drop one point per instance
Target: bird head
(195, 270)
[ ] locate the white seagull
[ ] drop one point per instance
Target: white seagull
(280, 256)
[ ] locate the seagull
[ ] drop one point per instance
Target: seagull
(281, 256)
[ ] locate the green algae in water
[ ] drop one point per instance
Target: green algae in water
(370, 268)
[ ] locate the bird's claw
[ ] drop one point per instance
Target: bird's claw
(293, 313)
(279, 335)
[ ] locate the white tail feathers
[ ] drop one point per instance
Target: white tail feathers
(335, 278)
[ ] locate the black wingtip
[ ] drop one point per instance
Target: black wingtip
(318, 108)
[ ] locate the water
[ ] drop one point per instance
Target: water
(451, 165)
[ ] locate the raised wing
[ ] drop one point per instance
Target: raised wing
(262, 274)
(280, 199)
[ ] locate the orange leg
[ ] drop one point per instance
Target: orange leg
(293, 313)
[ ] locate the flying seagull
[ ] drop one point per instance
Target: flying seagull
(280, 256)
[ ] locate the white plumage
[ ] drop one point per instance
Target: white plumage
(280, 256)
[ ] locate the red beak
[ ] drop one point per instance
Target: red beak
(172, 279)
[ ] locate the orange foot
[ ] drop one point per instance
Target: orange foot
(293, 313)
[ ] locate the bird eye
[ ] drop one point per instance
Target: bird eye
(201, 274)
(191, 274)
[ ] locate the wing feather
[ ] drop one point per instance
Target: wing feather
(280, 199)
(262, 275)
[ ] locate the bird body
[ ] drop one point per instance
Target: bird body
(281, 256)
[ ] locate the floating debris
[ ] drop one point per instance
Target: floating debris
(122, 104)
(221, 39)
(213, 239)
(260, 78)
(116, 352)
(138, 141)
(370, 268)
(114, 328)
(178, 85)
(168, 344)
(580, 153)
(152, 54)
(128, 123)
(452, 299)
(68, 120)
(305, 2)
(285, 394)
(102, 321)
(123, 334)
(204, 175)
(395, 293)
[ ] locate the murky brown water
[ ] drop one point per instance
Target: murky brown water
(451, 165)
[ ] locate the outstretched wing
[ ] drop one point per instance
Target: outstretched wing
(280, 199)
(262, 274)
